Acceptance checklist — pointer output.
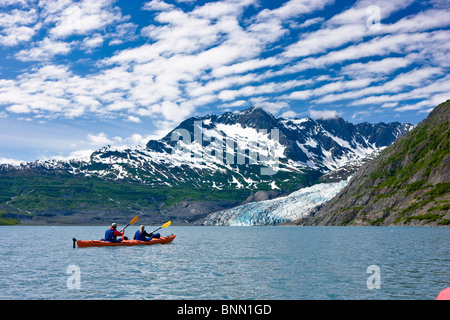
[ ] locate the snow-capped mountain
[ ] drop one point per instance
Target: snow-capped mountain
(251, 148)
(318, 144)
(206, 164)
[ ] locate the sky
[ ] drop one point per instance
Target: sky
(78, 75)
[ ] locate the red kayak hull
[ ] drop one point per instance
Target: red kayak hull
(99, 243)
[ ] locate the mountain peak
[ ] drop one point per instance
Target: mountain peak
(253, 109)
(253, 117)
(317, 144)
(407, 184)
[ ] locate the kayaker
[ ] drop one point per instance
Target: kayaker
(142, 235)
(111, 234)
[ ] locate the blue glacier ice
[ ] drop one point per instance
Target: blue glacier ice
(297, 205)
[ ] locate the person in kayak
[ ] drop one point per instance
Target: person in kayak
(111, 234)
(142, 235)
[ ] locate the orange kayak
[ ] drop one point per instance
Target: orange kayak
(100, 243)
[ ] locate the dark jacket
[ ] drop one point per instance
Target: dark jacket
(142, 236)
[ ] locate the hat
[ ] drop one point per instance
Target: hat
(142, 227)
(114, 225)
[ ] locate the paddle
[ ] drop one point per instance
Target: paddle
(165, 225)
(132, 221)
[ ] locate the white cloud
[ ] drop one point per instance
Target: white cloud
(338, 86)
(79, 18)
(137, 139)
(324, 114)
(272, 107)
(157, 5)
(12, 2)
(426, 20)
(300, 95)
(94, 41)
(389, 104)
(44, 50)
(307, 23)
(349, 27)
(245, 66)
(18, 26)
(99, 140)
(213, 53)
(134, 119)
(360, 115)
(267, 88)
(358, 13)
(413, 78)
(432, 102)
(378, 67)
(343, 28)
(437, 88)
(324, 39)
(10, 161)
(289, 114)
(294, 8)
(334, 86)
(176, 112)
(376, 47)
(83, 154)
(18, 108)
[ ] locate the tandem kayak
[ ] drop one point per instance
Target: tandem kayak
(100, 243)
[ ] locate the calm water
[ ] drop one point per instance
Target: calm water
(228, 263)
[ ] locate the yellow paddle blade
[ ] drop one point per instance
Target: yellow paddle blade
(134, 220)
(168, 223)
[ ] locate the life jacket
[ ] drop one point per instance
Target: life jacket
(109, 235)
(140, 237)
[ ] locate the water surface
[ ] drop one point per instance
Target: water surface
(228, 263)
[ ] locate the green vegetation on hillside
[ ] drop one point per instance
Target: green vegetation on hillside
(62, 194)
(66, 192)
(6, 220)
(407, 184)
(423, 151)
(419, 155)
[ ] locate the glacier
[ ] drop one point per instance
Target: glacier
(295, 206)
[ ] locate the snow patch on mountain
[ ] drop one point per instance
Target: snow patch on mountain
(234, 150)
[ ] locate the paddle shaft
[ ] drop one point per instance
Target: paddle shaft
(168, 223)
(131, 222)
(126, 226)
(156, 230)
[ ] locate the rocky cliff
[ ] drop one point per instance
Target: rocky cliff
(407, 184)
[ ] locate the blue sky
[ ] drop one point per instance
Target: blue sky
(78, 75)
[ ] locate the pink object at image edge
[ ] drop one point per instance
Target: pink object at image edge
(444, 295)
